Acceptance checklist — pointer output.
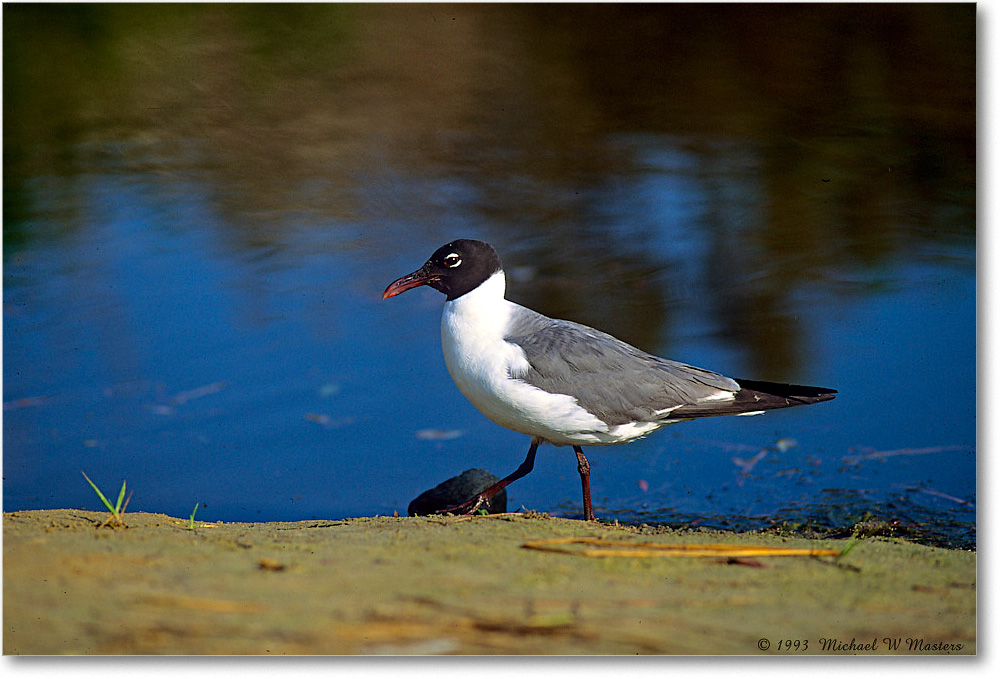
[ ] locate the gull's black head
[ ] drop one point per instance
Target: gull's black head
(454, 269)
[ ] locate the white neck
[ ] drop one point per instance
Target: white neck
(484, 301)
(479, 315)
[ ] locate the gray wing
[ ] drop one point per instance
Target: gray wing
(611, 379)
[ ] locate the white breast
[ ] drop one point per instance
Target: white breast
(481, 363)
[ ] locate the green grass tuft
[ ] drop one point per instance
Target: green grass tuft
(117, 510)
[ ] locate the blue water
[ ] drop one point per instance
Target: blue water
(192, 276)
(273, 383)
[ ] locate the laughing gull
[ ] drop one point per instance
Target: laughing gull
(561, 382)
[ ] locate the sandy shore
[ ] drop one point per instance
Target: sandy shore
(458, 585)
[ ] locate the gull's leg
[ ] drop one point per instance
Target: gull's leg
(475, 502)
(583, 466)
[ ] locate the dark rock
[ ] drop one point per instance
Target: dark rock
(457, 490)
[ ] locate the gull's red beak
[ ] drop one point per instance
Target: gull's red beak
(413, 280)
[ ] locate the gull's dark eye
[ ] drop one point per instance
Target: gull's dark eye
(452, 260)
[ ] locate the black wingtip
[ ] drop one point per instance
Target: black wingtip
(796, 391)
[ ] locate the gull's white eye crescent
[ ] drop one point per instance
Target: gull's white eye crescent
(452, 260)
